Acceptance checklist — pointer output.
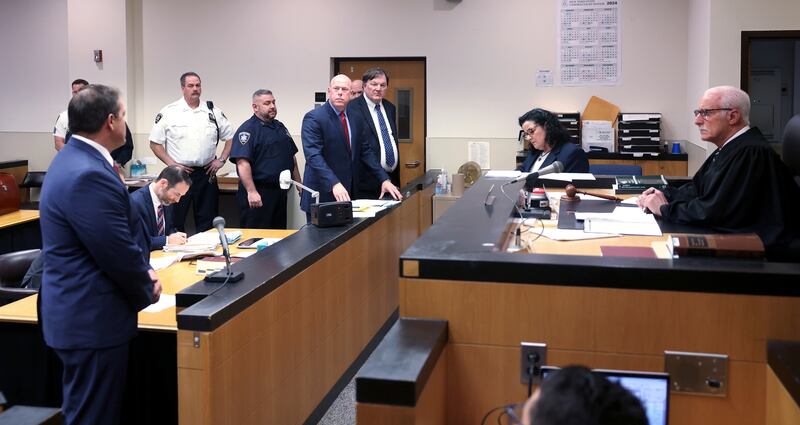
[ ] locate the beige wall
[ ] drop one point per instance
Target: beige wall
(482, 60)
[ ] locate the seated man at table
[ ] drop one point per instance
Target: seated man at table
(153, 203)
(576, 396)
(742, 187)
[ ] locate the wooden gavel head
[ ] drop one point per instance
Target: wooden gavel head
(571, 193)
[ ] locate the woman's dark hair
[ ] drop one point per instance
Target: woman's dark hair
(556, 134)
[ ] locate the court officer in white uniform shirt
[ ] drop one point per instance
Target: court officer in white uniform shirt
(186, 133)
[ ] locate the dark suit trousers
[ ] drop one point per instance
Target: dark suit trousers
(94, 383)
(271, 215)
(204, 196)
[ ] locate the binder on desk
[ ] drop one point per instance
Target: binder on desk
(627, 185)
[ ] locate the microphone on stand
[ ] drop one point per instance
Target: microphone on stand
(530, 179)
(285, 180)
(225, 275)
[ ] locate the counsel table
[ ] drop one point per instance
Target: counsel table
(20, 230)
(276, 347)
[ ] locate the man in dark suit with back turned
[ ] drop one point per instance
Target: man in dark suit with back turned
(95, 276)
(379, 116)
(335, 149)
(154, 202)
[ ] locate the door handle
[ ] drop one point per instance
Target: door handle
(414, 164)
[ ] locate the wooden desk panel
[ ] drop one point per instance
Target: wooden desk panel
(276, 360)
(18, 217)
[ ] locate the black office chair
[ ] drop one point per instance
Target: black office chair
(615, 169)
(13, 267)
(791, 146)
(32, 180)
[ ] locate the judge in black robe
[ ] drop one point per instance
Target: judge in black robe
(743, 187)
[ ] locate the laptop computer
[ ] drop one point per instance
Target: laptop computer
(651, 388)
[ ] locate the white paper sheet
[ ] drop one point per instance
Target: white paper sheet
(162, 262)
(624, 220)
(166, 301)
(506, 174)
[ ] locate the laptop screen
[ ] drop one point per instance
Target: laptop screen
(651, 388)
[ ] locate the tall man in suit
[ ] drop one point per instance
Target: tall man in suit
(95, 276)
(379, 116)
(335, 149)
(154, 202)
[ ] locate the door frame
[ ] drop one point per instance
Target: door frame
(336, 69)
(747, 38)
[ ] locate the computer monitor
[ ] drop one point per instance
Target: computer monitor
(651, 388)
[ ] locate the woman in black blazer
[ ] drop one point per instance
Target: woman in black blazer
(550, 143)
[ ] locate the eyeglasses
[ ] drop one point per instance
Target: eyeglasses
(706, 112)
(527, 134)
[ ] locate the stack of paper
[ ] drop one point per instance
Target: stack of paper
(623, 220)
(370, 207)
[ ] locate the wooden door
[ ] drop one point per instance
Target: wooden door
(407, 92)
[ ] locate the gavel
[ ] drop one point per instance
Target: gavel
(572, 191)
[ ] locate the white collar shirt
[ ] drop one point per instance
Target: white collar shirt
(189, 135)
(103, 151)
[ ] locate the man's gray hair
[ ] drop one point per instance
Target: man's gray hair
(733, 97)
(261, 92)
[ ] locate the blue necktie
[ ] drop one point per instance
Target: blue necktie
(387, 142)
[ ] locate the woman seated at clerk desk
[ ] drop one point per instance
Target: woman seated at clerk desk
(550, 143)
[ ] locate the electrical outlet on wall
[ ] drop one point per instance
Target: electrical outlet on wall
(533, 355)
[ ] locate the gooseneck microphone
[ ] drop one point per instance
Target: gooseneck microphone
(531, 178)
(219, 224)
(225, 275)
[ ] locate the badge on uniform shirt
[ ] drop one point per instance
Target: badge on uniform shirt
(244, 137)
(158, 118)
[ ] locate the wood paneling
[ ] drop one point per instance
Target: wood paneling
(275, 361)
(781, 408)
(603, 319)
(482, 377)
(599, 327)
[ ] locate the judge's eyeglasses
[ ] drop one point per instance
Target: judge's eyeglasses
(706, 112)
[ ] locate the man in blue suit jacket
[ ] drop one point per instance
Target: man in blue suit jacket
(379, 116)
(95, 275)
(335, 149)
(171, 184)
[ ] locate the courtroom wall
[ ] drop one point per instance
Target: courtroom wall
(482, 59)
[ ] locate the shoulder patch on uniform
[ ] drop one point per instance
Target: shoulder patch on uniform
(158, 118)
(244, 137)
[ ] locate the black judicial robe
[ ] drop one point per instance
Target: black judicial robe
(744, 188)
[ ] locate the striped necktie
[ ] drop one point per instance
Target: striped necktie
(160, 221)
(387, 142)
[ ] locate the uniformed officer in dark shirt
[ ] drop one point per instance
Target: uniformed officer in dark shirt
(262, 148)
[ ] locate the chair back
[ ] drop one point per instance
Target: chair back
(33, 179)
(14, 265)
(615, 169)
(791, 145)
